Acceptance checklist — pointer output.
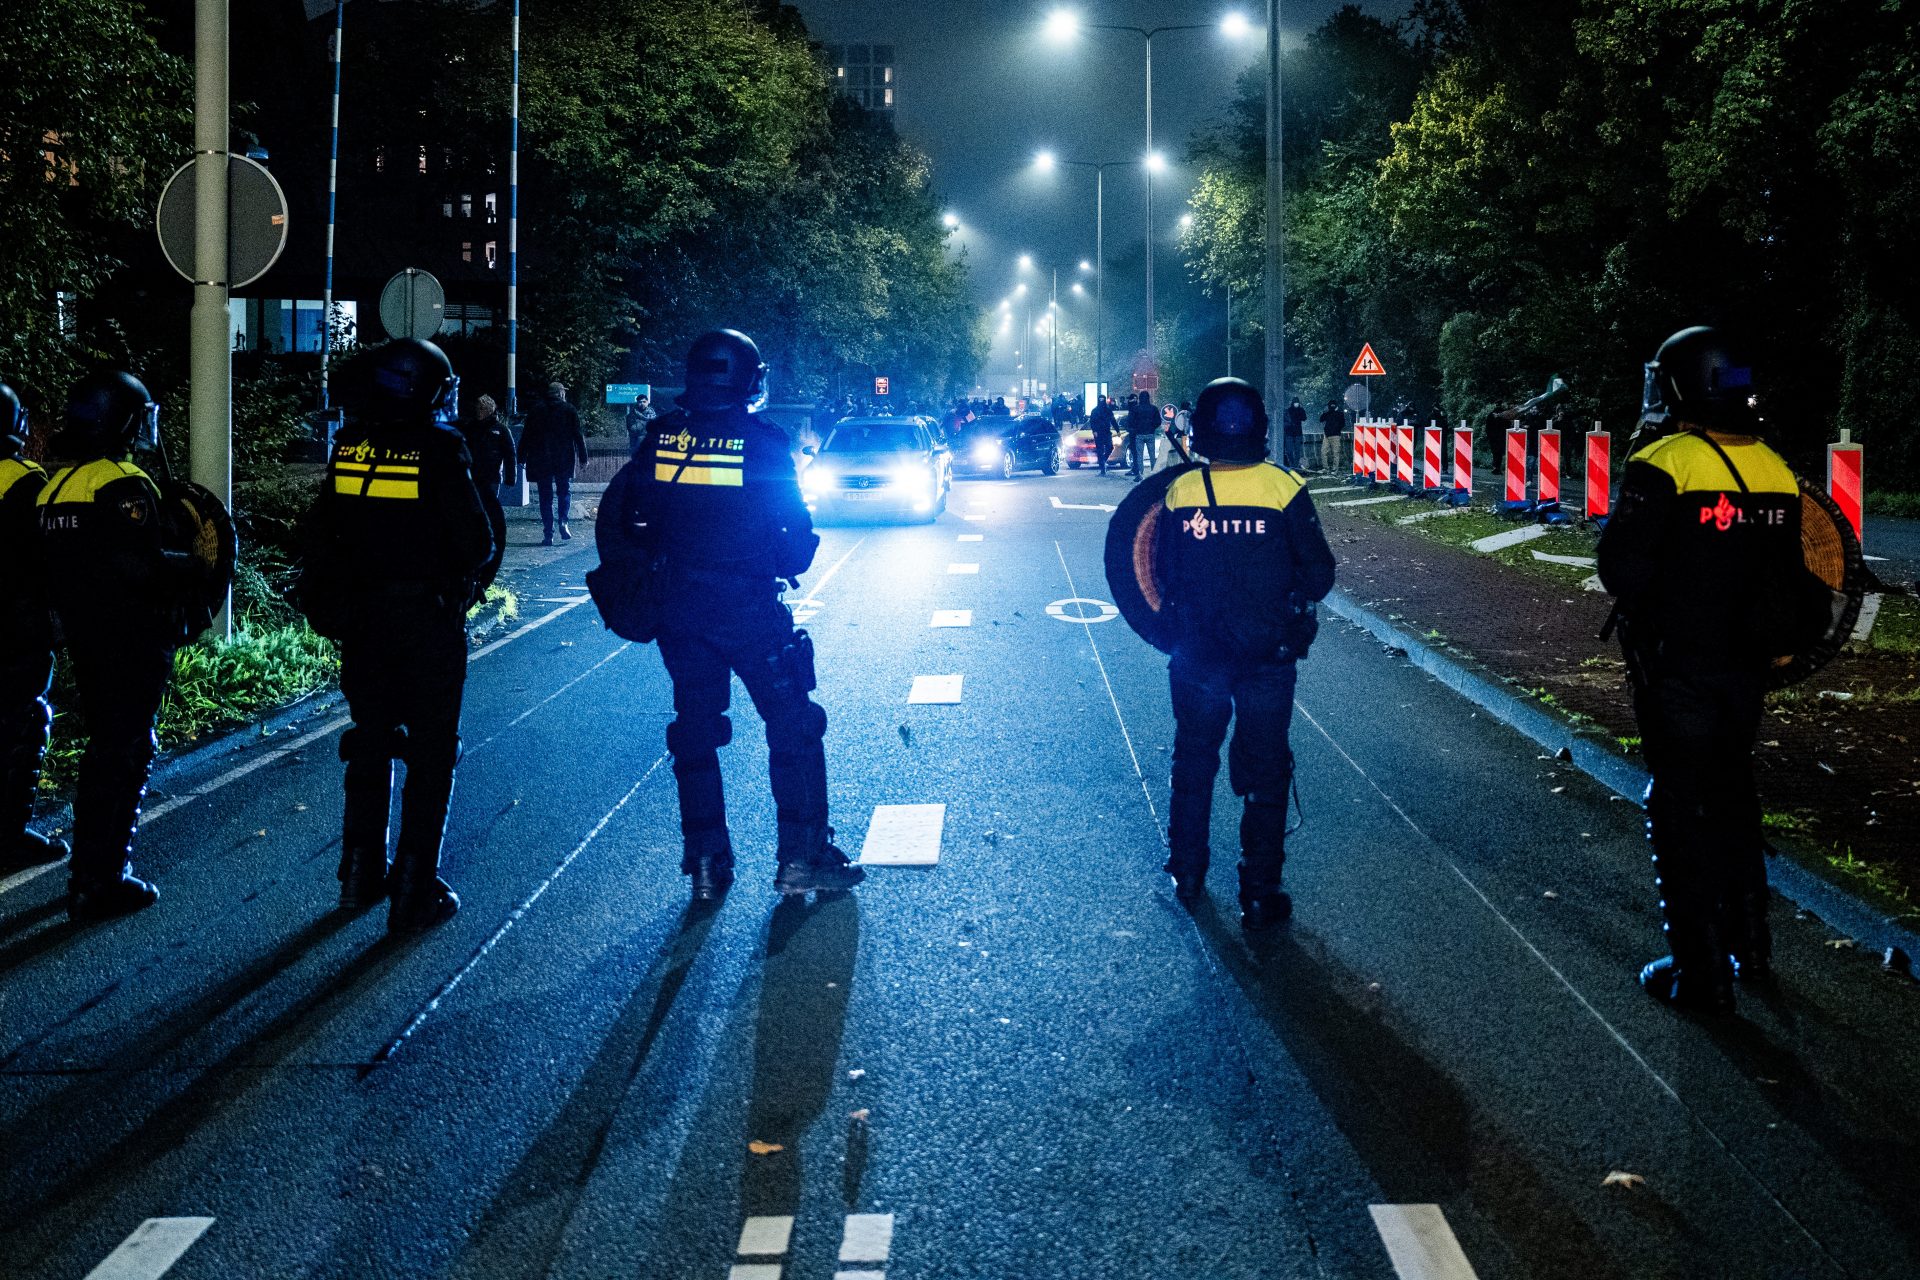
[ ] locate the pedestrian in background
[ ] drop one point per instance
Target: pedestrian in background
(1333, 430)
(549, 447)
(1293, 430)
(26, 648)
(490, 445)
(1102, 422)
(1243, 558)
(1143, 428)
(1183, 429)
(640, 415)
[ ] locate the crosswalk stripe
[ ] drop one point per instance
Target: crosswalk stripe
(973, 537)
(754, 1271)
(868, 1238)
(765, 1237)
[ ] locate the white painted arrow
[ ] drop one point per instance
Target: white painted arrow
(1076, 506)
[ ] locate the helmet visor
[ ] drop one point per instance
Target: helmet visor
(1653, 400)
(146, 433)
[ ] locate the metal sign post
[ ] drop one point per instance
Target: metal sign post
(210, 364)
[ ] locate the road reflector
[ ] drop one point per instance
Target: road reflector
(903, 835)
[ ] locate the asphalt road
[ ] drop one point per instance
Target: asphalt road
(1025, 1060)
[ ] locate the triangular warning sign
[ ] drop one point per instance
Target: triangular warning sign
(1368, 365)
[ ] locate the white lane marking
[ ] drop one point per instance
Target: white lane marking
(1869, 612)
(1077, 506)
(582, 598)
(19, 878)
(963, 568)
(151, 1250)
(972, 537)
(1101, 611)
(1874, 559)
(868, 1237)
(827, 577)
(934, 689)
(1369, 502)
(754, 1271)
(805, 610)
(903, 835)
(1511, 538)
(524, 628)
(765, 1237)
(859, 1275)
(1418, 516)
(513, 918)
(972, 515)
(1337, 488)
(1577, 562)
(1420, 1242)
(952, 618)
(550, 697)
(1119, 719)
(265, 758)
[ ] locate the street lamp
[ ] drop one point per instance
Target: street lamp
(952, 221)
(1026, 262)
(1045, 161)
(1063, 24)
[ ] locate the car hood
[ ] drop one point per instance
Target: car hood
(863, 459)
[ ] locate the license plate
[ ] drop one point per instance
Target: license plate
(862, 495)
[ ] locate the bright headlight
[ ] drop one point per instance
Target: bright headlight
(986, 451)
(911, 477)
(815, 478)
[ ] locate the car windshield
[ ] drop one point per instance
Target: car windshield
(856, 437)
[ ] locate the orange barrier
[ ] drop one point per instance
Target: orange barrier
(1599, 500)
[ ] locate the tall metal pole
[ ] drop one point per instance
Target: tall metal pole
(513, 232)
(210, 361)
(1275, 277)
(1099, 276)
(1153, 347)
(1229, 293)
(1053, 338)
(333, 191)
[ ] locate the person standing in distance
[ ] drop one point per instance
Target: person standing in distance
(1333, 429)
(1143, 428)
(1242, 557)
(1703, 556)
(1102, 422)
(714, 496)
(395, 545)
(26, 648)
(549, 447)
(120, 603)
(490, 445)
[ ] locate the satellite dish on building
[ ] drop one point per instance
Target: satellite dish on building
(256, 224)
(412, 305)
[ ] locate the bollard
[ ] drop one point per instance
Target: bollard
(1359, 459)
(1462, 466)
(1383, 453)
(1548, 488)
(1403, 441)
(1599, 475)
(1516, 468)
(1846, 480)
(1430, 474)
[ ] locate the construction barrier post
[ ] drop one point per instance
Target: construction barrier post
(1517, 470)
(1548, 480)
(1403, 454)
(1359, 452)
(1599, 498)
(1383, 452)
(1846, 480)
(1430, 473)
(1462, 466)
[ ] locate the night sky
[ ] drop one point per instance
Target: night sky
(982, 88)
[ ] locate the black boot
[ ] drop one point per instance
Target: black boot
(1189, 874)
(1263, 905)
(1263, 855)
(104, 899)
(1744, 924)
(708, 863)
(421, 899)
(31, 849)
(1697, 975)
(363, 834)
(810, 862)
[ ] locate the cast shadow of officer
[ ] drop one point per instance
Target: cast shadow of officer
(805, 983)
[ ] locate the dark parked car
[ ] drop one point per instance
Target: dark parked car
(1002, 446)
(879, 466)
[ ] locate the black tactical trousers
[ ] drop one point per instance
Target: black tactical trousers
(712, 634)
(120, 681)
(403, 672)
(1703, 813)
(1258, 699)
(26, 671)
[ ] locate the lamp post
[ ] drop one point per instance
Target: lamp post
(1045, 162)
(1275, 275)
(1064, 24)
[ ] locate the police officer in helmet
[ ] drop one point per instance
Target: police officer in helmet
(1241, 558)
(120, 598)
(26, 648)
(1703, 555)
(712, 495)
(395, 546)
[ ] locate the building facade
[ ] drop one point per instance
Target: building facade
(867, 73)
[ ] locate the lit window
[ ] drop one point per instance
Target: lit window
(841, 72)
(423, 157)
(379, 159)
(886, 75)
(493, 206)
(493, 254)
(466, 251)
(446, 207)
(466, 204)
(889, 97)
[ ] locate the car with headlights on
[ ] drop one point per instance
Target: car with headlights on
(876, 467)
(1079, 449)
(999, 446)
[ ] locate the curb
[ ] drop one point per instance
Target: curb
(1852, 915)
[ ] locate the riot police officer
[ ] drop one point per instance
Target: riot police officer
(26, 648)
(121, 602)
(1703, 555)
(712, 498)
(395, 545)
(1242, 557)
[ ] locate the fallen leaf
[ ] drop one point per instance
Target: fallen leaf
(1619, 1179)
(764, 1148)
(856, 1073)
(860, 1116)
(1374, 987)
(1838, 944)
(1558, 790)
(260, 834)
(299, 808)
(1550, 894)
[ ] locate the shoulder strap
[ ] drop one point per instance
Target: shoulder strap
(1206, 478)
(1731, 469)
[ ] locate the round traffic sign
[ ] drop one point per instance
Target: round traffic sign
(412, 305)
(1076, 609)
(256, 224)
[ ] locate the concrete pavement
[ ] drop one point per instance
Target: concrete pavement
(1024, 1059)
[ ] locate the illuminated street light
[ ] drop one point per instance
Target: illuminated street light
(1156, 163)
(1084, 266)
(1044, 161)
(1235, 26)
(1026, 262)
(1063, 24)
(1021, 290)
(1080, 289)
(1186, 221)
(952, 220)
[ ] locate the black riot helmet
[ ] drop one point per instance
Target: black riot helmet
(1699, 376)
(724, 372)
(13, 423)
(1230, 422)
(108, 414)
(408, 377)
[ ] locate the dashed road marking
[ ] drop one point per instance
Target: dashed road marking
(903, 835)
(765, 1237)
(1420, 1242)
(952, 618)
(963, 568)
(859, 1275)
(1511, 538)
(151, 1250)
(1576, 562)
(972, 537)
(868, 1237)
(1869, 613)
(972, 515)
(934, 689)
(1338, 488)
(804, 610)
(1082, 609)
(1078, 506)
(1369, 502)
(754, 1271)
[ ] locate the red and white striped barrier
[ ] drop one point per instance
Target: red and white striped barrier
(1403, 439)
(1359, 448)
(1383, 452)
(1430, 474)
(1846, 479)
(1549, 477)
(1516, 463)
(1463, 463)
(1599, 503)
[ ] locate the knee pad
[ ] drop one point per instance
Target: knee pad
(363, 743)
(431, 753)
(690, 736)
